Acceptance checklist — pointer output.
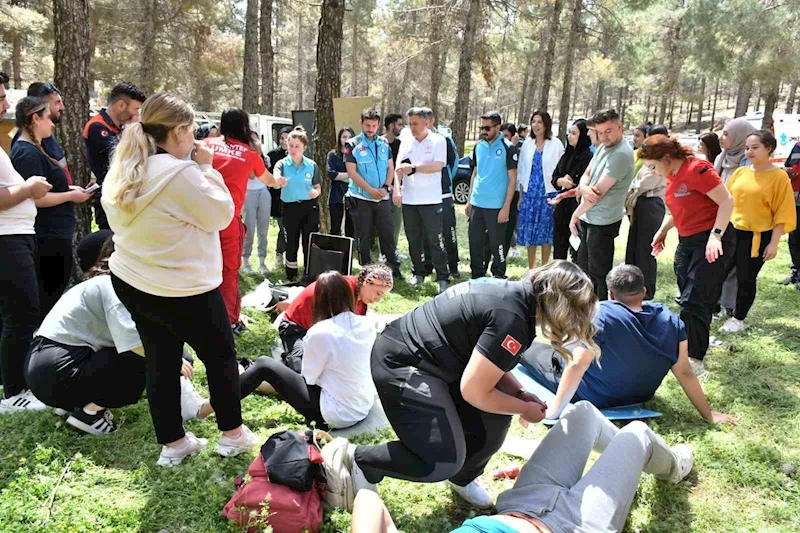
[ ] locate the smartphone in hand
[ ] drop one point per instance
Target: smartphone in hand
(92, 187)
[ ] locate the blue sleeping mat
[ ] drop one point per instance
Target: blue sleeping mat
(625, 412)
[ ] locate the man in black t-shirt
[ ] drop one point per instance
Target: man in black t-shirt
(393, 125)
(277, 206)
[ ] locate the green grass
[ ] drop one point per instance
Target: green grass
(112, 483)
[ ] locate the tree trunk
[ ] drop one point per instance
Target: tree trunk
(354, 57)
(569, 55)
(601, 95)
(250, 70)
(770, 102)
(790, 97)
(71, 60)
(758, 98)
(465, 74)
(647, 108)
(691, 104)
(743, 96)
(16, 60)
(276, 78)
(300, 66)
(147, 68)
(700, 107)
(437, 52)
(525, 79)
(267, 59)
(550, 55)
(199, 76)
(714, 107)
(328, 87)
(672, 111)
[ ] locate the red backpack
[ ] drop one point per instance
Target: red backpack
(259, 502)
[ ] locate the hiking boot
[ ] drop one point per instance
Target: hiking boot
(99, 424)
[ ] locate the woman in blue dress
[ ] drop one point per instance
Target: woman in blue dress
(538, 159)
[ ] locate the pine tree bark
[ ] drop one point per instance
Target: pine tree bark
(147, 68)
(354, 57)
(699, 125)
(569, 54)
(770, 103)
(743, 95)
(300, 66)
(199, 76)
(522, 97)
(328, 87)
(267, 59)
(16, 60)
(791, 96)
(437, 53)
(465, 73)
(550, 55)
(71, 60)
(250, 70)
(714, 106)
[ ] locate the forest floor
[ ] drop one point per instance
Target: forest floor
(53, 479)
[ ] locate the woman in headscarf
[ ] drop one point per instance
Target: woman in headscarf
(732, 141)
(568, 172)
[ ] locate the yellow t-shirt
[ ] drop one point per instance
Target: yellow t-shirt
(761, 201)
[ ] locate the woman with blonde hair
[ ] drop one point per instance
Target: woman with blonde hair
(443, 375)
(166, 213)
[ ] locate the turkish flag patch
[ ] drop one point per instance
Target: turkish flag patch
(347, 150)
(511, 345)
(104, 133)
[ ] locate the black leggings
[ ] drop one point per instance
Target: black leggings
(74, 376)
(747, 269)
(19, 308)
(54, 269)
(647, 217)
(338, 212)
(164, 324)
(700, 285)
(300, 220)
(441, 436)
(289, 384)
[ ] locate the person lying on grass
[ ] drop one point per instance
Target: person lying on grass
(87, 356)
(551, 494)
(640, 342)
(334, 387)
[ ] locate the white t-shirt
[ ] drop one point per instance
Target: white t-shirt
(421, 188)
(90, 314)
(17, 220)
(337, 358)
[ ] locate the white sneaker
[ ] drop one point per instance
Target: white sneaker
(474, 494)
(60, 412)
(24, 401)
(400, 256)
(723, 313)
(698, 367)
(732, 325)
(356, 474)
(262, 267)
(382, 259)
(514, 254)
(278, 260)
(684, 460)
(191, 401)
(233, 446)
(247, 269)
(171, 456)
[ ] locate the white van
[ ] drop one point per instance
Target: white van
(786, 129)
(267, 126)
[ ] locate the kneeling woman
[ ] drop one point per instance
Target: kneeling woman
(372, 284)
(442, 374)
(334, 388)
(87, 356)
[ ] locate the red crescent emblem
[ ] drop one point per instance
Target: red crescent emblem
(104, 133)
(511, 345)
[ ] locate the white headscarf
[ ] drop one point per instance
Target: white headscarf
(729, 160)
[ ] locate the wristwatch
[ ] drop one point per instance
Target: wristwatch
(716, 233)
(413, 170)
(520, 392)
(387, 187)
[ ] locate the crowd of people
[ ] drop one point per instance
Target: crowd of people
(179, 208)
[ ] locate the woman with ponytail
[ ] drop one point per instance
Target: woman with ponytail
(166, 213)
(55, 221)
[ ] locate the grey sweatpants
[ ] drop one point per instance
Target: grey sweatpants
(257, 206)
(552, 488)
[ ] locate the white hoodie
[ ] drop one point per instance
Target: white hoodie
(168, 244)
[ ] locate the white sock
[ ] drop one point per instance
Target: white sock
(90, 412)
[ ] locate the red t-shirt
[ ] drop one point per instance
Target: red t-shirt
(686, 196)
(236, 162)
(301, 310)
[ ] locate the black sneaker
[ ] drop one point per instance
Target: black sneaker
(101, 423)
(790, 279)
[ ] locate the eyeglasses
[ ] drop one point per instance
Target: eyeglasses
(486, 128)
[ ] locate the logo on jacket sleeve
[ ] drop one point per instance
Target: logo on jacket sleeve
(511, 345)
